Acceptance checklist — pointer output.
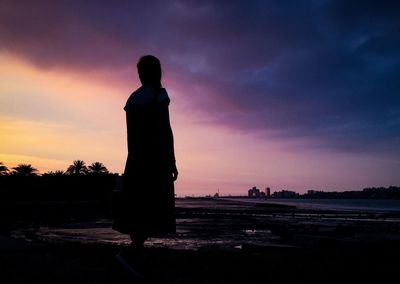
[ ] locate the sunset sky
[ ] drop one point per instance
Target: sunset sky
(286, 94)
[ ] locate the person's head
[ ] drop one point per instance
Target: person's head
(149, 69)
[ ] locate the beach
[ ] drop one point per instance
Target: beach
(217, 241)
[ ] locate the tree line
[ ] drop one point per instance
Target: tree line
(28, 197)
(78, 182)
(78, 167)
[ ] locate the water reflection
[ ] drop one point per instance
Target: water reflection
(185, 238)
(204, 223)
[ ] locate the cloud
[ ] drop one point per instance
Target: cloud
(323, 71)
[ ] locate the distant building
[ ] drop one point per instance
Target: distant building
(312, 192)
(267, 192)
(285, 194)
(254, 192)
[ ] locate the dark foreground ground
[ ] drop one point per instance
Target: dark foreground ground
(307, 247)
(22, 262)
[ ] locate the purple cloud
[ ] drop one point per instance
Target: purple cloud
(324, 71)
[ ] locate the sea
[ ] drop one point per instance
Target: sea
(371, 205)
(237, 222)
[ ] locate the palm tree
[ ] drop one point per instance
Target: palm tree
(78, 167)
(3, 169)
(55, 173)
(98, 168)
(24, 170)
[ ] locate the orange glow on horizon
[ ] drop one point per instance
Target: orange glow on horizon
(48, 118)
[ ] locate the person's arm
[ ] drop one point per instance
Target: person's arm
(129, 131)
(168, 138)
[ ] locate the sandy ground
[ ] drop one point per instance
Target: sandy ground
(313, 247)
(21, 262)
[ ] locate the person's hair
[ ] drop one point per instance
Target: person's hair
(149, 69)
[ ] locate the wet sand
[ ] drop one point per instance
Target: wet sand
(236, 243)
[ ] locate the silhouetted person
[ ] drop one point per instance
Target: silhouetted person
(150, 171)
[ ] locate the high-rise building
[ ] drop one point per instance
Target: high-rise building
(254, 192)
(267, 192)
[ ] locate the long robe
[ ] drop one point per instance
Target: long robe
(148, 205)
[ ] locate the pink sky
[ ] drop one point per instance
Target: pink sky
(51, 117)
(300, 96)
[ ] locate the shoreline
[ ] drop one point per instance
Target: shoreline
(279, 244)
